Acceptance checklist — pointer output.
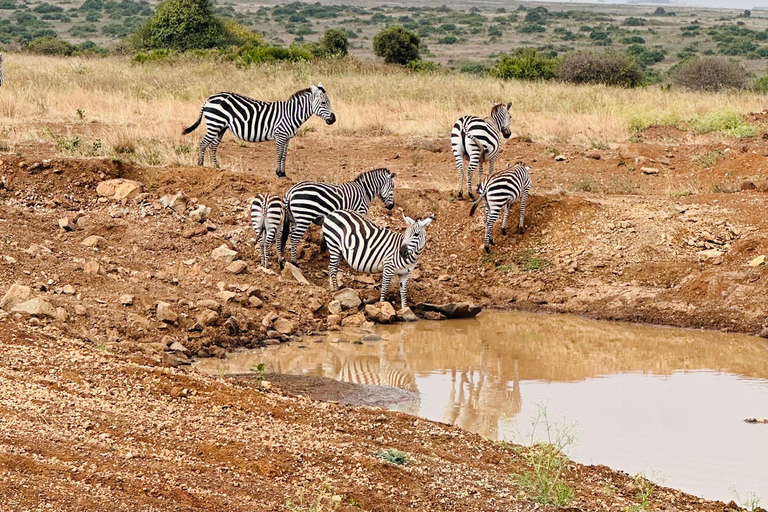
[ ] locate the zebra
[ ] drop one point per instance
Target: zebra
(369, 248)
(266, 217)
(499, 191)
(308, 202)
(478, 140)
(256, 121)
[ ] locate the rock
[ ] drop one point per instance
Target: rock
(444, 277)
(754, 420)
(406, 315)
(92, 268)
(269, 318)
(381, 312)
(334, 307)
(560, 158)
(371, 337)
(223, 254)
(433, 315)
(37, 307)
(226, 296)
(15, 295)
(333, 320)
(95, 241)
(207, 317)
(80, 309)
(37, 250)
(283, 326)
(237, 267)
(178, 347)
(649, 170)
(68, 290)
(177, 203)
(126, 300)
(208, 304)
(119, 188)
(756, 262)
(255, 302)
(67, 224)
(200, 214)
(764, 333)
(165, 313)
(61, 315)
(314, 305)
(452, 310)
(348, 298)
(232, 326)
(292, 273)
(355, 320)
(711, 255)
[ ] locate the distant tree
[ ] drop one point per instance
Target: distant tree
(600, 68)
(396, 45)
(525, 64)
(747, 13)
(334, 43)
(709, 74)
(660, 11)
(51, 46)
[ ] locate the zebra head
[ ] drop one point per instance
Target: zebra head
(500, 116)
(379, 182)
(321, 105)
(415, 237)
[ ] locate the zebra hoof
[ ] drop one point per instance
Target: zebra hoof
(504, 231)
(280, 174)
(488, 249)
(471, 196)
(521, 231)
(460, 196)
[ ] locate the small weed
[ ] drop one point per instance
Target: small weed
(729, 122)
(260, 371)
(720, 188)
(529, 262)
(393, 456)
(617, 186)
(525, 137)
(505, 268)
(183, 149)
(751, 503)
(636, 139)
(152, 180)
(709, 158)
(103, 348)
(645, 488)
(586, 184)
(81, 114)
(552, 150)
(599, 144)
(325, 501)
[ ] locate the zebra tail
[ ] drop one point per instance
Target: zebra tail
(287, 219)
(474, 205)
(194, 126)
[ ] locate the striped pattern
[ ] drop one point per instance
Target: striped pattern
(378, 371)
(256, 121)
(478, 140)
(499, 191)
(369, 248)
(266, 216)
(309, 202)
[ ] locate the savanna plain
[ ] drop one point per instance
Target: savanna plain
(647, 206)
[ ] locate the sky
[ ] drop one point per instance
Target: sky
(729, 4)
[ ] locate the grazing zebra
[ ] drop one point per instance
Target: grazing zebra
(369, 248)
(500, 190)
(257, 121)
(309, 201)
(266, 216)
(478, 140)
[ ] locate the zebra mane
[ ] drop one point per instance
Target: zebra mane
(300, 93)
(362, 175)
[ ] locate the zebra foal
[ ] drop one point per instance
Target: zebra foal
(256, 121)
(309, 202)
(369, 248)
(499, 191)
(266, 217)
(478, 140)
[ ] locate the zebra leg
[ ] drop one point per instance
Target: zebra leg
(504, 219)
(282, 151)
(203, 146)
(215, 147)
(491, 214)
(333, 268)
(386, 278)
(404, 290)
(460, 169)
(474, 160)
(523, 201)
(264, 246)
(296, 235)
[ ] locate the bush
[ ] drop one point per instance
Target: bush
(334, 44)
(396, 45)
(51, 46)
(422, 66)
(709, 74)
(525, 64)
(633, 22)
(530, 28)
(47, 8)
(600, 68)
(761, 85)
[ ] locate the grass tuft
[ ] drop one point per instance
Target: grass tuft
(393, 456)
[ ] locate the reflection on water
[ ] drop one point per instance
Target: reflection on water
(645, 398)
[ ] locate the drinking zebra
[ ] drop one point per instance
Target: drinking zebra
(266, 216)
(478, 140)
(369, 248)
(499, 191)
(309, 201)
(256, 121)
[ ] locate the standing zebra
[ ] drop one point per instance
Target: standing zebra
(478, 140)
(257, 121)
(309, 201)
(266, 216)
(500, 190)
(369, 248)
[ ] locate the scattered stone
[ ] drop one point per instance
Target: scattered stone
(207, 317)
(406, 315)
(15, 295)
(444, 277)
(292, 273)
(80, 309)
(67, 224)
(333, 320)
(224, 254)
(433, 315)
(61, 314)
(381, 312)
(283, 326)
(649, 170)
(119, 188)
(92, 268)
(348, 298)
(756, 420)
(38, 250)
(226, 296)
(355, 320)
(232, 326)
(334, 307)
(95, 241)
(713, 255)
(208, 304)
(757, 261)
(178, 347)
(764, 333)
(237, 267)
(200, 214)
(452, 310)
(126, 300)
(559, 158)
(37, 307)
(269, 318)
(68, 290)
(177, 203)
(165, 313)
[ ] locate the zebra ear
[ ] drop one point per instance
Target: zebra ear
(312, 88)
(320, 86)
(392, 175)
(408, 220)
(426, 222)
(509, 105)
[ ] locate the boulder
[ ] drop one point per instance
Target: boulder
(406, 315)
(334, 307)
(223, 254)
(269, 318)
(178, 347)
(95, 241)
(283, 326)
(649, 170)
(15, 295)
(36, 250)
(177, 203)
(348, 298)
(165, 313)
(756, 262)
(452, 310)
(333, 320)
(200, 214)
(355, 320)
(207, 317)
(381, 312)
(208, 304)
(237, 267)
(119, 188)
(61, 314)
(37, 307)
(292, 273)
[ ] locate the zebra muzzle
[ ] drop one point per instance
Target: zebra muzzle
(331, 119)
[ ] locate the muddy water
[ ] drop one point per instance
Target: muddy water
(667, 402)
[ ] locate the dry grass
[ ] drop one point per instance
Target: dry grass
(139, 110)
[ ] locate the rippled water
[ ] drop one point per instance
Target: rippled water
(667, 402)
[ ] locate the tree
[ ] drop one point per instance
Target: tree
(709, 74)
(584, 67)
(525, 64)
(334, 43)
(396, 45)
(747, 13)
(183, 25)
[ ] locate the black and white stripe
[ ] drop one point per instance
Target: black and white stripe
(256, 121)
(309, 202)
(369, 248)
(499, 191)
(266, 216)
(478, 140)
(379, 370)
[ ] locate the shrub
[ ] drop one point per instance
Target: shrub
(334, 43)
(45, 7)
(633, 22)
(530, 28)
(396, 45)
(51, 46)
(422, 66)
(761, 84)
(600, 68)
(709, 74)
(525, 64)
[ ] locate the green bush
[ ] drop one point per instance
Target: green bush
(422, 66)
(709, 74)
(525, 64)
(633, 22)
(530, 28)
(396, 45)
(761, 84)
(51, 46)
(601, 68)
(334, 44)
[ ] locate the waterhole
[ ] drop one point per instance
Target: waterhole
(669, 403)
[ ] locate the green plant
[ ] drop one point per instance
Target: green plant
(599, 144)
(709, 158)
(729, 121)
(645, 488)
(530, 262)
(751, 503)
(720, 188)
(81, 114)
(525, 64)
(259, 371)
(393, 456)
(334, 44)
(609, 68)
(396, 45)
(586, 184)
(49, 45)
